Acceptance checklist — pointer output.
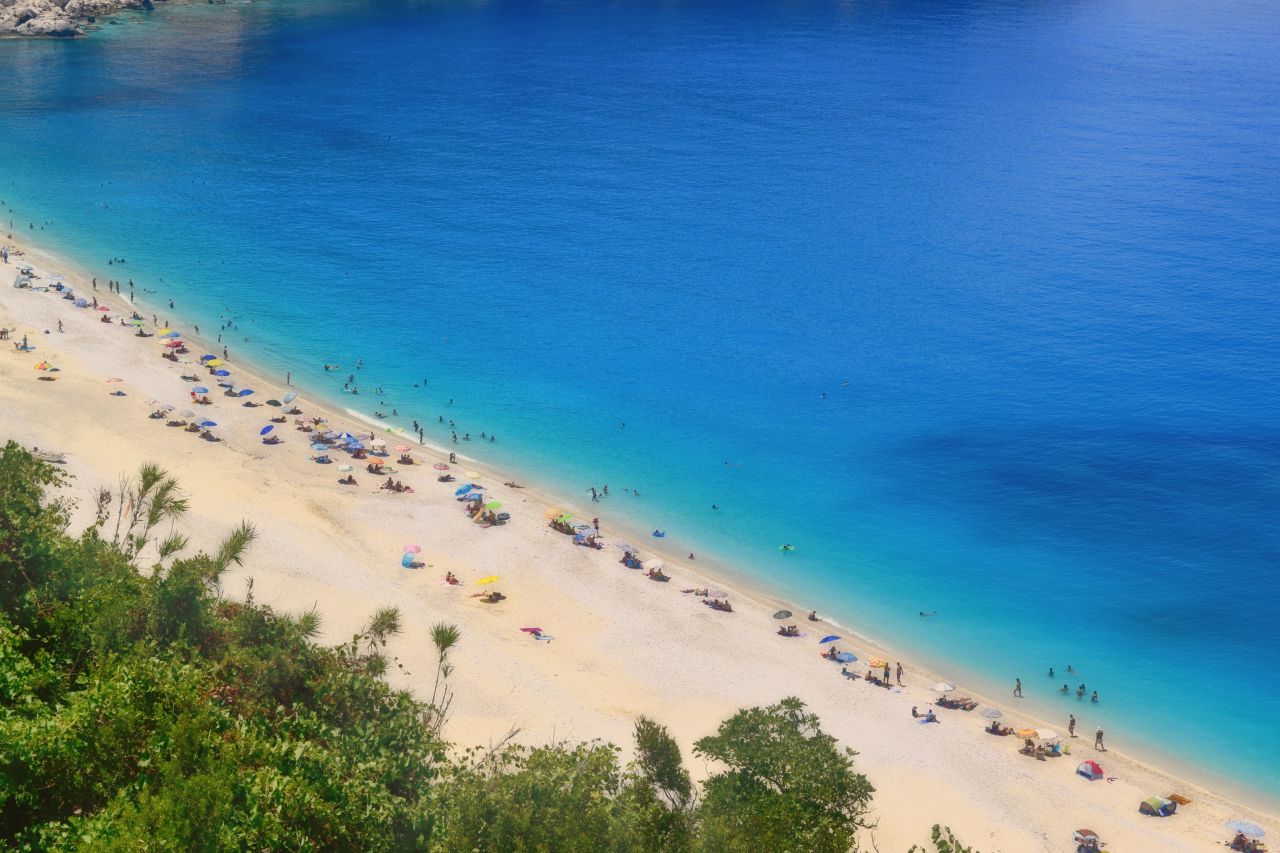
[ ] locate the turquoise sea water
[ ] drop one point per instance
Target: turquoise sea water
(1029, 252)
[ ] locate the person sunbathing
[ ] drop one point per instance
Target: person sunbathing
(493, 597)
(348, 480)
(273, 439)
(450, 579)
(193, 428)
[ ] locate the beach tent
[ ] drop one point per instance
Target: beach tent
(1157, 806)
(1090, 770)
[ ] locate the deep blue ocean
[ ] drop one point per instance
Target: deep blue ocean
(975, 303)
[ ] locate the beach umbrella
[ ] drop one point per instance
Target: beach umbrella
(289, 398)
(199, 389)
(165, 332)
(782, 614)
(266, 429)
(464, 489)
(135, 322)
(565, 519)
(1027, 733)
(623, 546)
(846, 657)
(717, 593)
(440, 466)
(115, 379)
(830, 638)
(44, 365)
(186, 413)
(318, 446)
(213, 362)
(1246, 828)
(413, 549)
(403, 448)
(172, 344)
(207, 424)
(1086, 836)
(878, 663)
(103, 308)
(532, 630)
(493, 505)
(487, 580)
(992, 713)
(473, 473)
(275, 403)
(222, 373)
(245, 392)
(1047, 734)
(206, 357)
(940, 687)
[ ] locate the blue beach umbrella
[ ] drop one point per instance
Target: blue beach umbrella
(266, 429)
(171, 335)
(222, 373)
(846, 657)
(318, 446)
(207, 424)
(1250, 829)
(462, 491)
(199, 389)
(830, 638)
(208, 357)
(245, 392)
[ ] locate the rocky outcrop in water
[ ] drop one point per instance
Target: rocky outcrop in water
(57, 18)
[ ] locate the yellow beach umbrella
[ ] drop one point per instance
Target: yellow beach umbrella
(1028, 733)
(878, 663)
(486, 581)
(166, 330)
(552, 513)
(213, 362)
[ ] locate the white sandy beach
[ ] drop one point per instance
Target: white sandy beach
(624, 646)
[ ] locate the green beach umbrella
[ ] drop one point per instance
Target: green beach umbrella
(564, 519)
(493, 505)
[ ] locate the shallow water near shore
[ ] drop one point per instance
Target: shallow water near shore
(974, 304)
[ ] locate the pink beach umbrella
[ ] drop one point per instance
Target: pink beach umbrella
(413, 549)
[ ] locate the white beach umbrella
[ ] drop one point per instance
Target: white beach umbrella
(944, 687)
(1047, 734)
(653, 564)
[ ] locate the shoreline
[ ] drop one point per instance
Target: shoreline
(751, 595)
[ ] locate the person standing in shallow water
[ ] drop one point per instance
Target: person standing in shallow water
(1017, 687)
(1071, 726)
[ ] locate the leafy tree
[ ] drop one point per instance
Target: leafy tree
(786, 784)
(944, 841)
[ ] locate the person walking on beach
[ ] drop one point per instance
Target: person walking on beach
(1097, 740)
(1017, 687)
(595, 522)
(1071, 725)
(899, 673)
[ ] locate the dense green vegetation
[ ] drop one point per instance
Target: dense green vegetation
(141, 710)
